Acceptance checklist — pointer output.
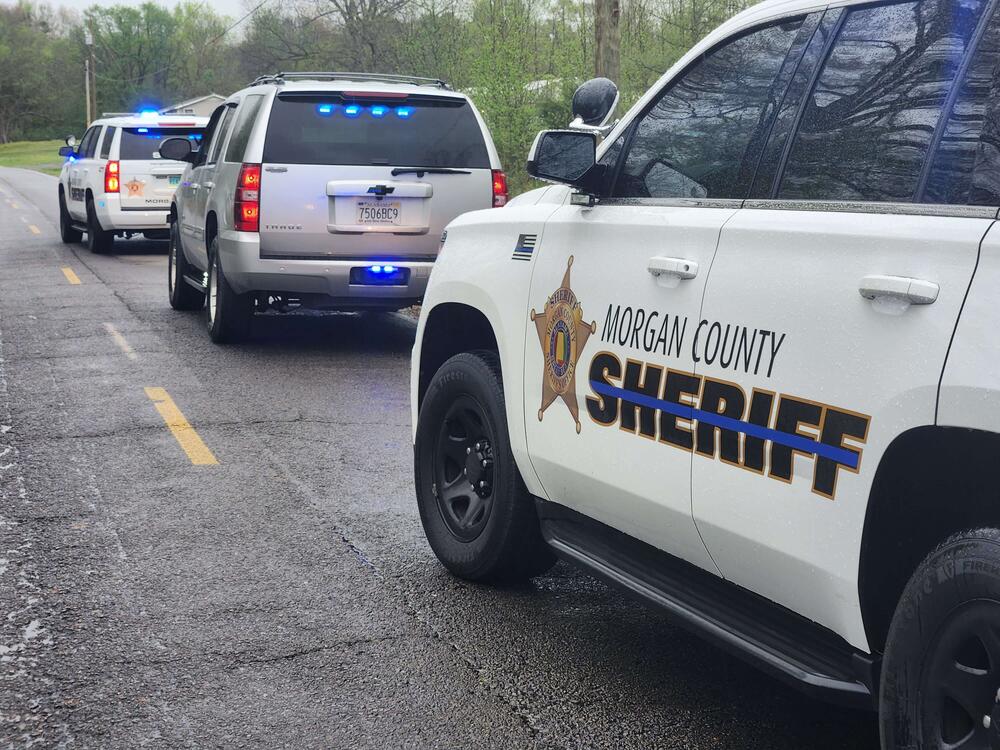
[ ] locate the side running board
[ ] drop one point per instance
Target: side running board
(196, 283)
(772, 638)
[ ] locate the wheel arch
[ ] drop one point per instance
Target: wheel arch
(932, 482)
(211, 230)
(452, 328)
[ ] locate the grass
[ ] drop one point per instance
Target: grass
(42, 156)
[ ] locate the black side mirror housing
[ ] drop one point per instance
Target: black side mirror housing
(566, 157)
(594, 102)
(67, 151)
(178, 149)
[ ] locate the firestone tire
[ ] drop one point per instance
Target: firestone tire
(940, 684)
(66, 231)
(183, 296)
(227, 314)
(476, 512)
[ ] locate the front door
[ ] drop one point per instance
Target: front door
(617, 289)
(831, 304)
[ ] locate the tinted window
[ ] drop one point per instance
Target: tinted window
(244, 124)
(693, 142)
(215, 147)
(144, 143)
(414, 133)
(109, 135)
(867, 125)
(87, 144)
(209, 134)
(966, 166)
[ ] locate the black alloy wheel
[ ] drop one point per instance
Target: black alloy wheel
(961, 681)
(463, 469)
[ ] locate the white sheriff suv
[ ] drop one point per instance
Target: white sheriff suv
(747, 364)
(114, 181)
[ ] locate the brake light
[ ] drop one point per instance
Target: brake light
(246, 207)
(499, 189)
(111, 182)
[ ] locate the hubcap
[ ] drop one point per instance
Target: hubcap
(961, 682)
(213, 290)
(464, 469)
(173, 264)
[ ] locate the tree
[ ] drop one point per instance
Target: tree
(607, 39)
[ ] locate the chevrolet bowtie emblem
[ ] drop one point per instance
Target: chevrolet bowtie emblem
(381, 190)
(562, 334)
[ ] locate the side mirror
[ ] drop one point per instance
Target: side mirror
(67, 151)
(568, 157)
(71, 141)
(594, 105)
(177, 149)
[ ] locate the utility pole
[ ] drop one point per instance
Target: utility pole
(607, 39)
(90, 82)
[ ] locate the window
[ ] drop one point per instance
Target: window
(866, 127)
(87, 144)
(143, 144)
(694, 140)
(966, 164)
(109, 135)
(215, 147)
(244, 124)
(415, 132)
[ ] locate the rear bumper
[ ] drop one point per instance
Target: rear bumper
(246, 271)
(113, 217)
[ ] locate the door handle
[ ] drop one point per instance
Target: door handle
(208, 185)
(913, 291)
(677, 267)
(195, 186)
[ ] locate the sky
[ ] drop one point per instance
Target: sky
(231, 8)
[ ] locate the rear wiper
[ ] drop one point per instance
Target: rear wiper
(421, 171)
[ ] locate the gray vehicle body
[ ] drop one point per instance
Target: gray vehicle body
(309, 240)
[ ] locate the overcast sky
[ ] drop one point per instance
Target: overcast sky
(232, 8)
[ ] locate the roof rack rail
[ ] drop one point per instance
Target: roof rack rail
(117, 114)
(282, 77)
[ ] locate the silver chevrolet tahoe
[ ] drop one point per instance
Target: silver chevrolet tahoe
(323, 190)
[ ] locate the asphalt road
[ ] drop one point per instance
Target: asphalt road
(285, 596)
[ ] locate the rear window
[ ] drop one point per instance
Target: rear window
(144, 143)
(409, 132)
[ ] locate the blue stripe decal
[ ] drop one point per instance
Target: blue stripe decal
(796, 442)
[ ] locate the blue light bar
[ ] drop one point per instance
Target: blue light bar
(325, 109)
(379, 111)
(376, 269)
(404, 112)
(143, 130)
(389, 269)
(352, 110)
(147, 113)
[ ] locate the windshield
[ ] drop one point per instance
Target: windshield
(409, 132)
(144, 143)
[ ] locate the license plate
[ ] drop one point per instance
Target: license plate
(378, 212)
(175, 179)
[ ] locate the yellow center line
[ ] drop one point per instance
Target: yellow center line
(71, 277)
(34, 229)
(182, 430)
(121, 341)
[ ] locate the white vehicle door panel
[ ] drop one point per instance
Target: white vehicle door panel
(782, 508)
(855, 281)
(599, 319)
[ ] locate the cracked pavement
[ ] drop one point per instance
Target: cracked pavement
(286, 596)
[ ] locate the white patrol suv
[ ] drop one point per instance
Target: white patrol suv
(115, 182)
(747, 365)
(324, 190)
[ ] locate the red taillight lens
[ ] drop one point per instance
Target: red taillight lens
(111, 182)
(246, 207)
(499, 189)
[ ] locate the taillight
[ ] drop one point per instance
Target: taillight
(111, 181)
(246, 207)
(499, 189)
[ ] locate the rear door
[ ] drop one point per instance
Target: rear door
(369, 178)
(832, 300)
(147, 181)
